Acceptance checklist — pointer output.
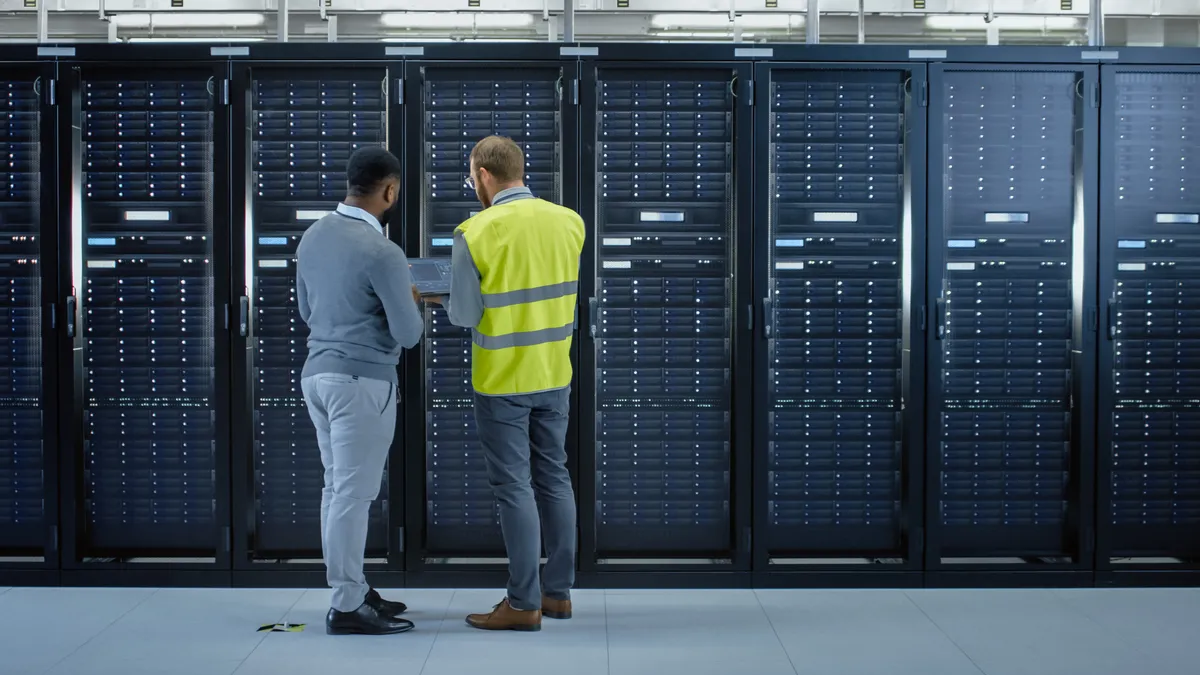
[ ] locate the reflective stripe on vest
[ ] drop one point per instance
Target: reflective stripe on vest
(527, 254)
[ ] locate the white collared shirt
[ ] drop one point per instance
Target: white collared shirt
(359, 214)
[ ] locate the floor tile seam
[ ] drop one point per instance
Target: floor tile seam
(941, 630)
(607, 642)
(107, 626)
(438, 634)
(778, 638)
(263, 638)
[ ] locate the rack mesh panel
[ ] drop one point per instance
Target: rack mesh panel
(462, 107)
(1154, 316)
(148, 332)
(664, 222)
(837, 145)
(1009, 159)
(304, 133)
(20, 320)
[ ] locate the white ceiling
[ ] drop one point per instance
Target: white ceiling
(1132, 22)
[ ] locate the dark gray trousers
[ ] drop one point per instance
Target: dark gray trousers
(524, 445)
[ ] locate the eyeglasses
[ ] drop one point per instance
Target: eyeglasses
(470, 182)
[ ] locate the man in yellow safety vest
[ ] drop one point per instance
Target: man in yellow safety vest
(514, 282)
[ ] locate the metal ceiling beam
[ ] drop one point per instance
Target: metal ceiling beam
(1112, 8)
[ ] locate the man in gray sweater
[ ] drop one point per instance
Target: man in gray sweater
(356, 294)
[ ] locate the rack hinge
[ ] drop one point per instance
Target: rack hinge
(924, 94)
(400, 539)
(750, 317)
(399, 91)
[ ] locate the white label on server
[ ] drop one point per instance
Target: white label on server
(835, 217)
(147, 216)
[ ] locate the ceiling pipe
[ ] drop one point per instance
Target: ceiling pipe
(283, 21)
(568, 20)
(812, 24)
(1096, 24)
(43, 21)
(862, 22)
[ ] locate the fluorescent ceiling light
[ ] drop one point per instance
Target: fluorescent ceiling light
(188, 19)
(456, 20)
(721, 20)
(182, 39)
(1006, 22)
(702, 35)
(418, 39)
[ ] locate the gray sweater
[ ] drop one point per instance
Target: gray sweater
(354, 290)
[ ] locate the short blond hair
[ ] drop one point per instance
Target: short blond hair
(501, 157)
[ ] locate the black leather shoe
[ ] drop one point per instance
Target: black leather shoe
(366, 620)
(385, 607)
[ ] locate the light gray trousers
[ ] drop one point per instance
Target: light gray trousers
(524, 445)
(355, 419)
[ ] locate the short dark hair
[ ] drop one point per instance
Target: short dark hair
(368, 168)
(501, 156)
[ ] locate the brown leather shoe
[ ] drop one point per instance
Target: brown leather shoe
(504, 617)
(556, 609)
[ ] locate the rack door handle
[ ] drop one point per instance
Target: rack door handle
(939, 318)
(768, 326)
(243, 316)
(593, 316)
(72, 303)
(1110, 319)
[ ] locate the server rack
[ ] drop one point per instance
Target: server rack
(28, 341)
(301, 126)
(451, 515)
(665, 372)
(840, 166)
(145, 409)
(1011, 291)
(1149, 461)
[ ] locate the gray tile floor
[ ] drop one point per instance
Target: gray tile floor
(102, 631)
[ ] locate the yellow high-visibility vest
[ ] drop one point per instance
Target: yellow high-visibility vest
(527, 254)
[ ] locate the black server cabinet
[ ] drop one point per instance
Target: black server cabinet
(665, 368)
(840, 170)
(148, 409)
(28, 437)
(300, 127)
(1149, 458)
(1011, 291)
(451, 514)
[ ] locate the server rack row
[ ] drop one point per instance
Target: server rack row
(830, 315)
